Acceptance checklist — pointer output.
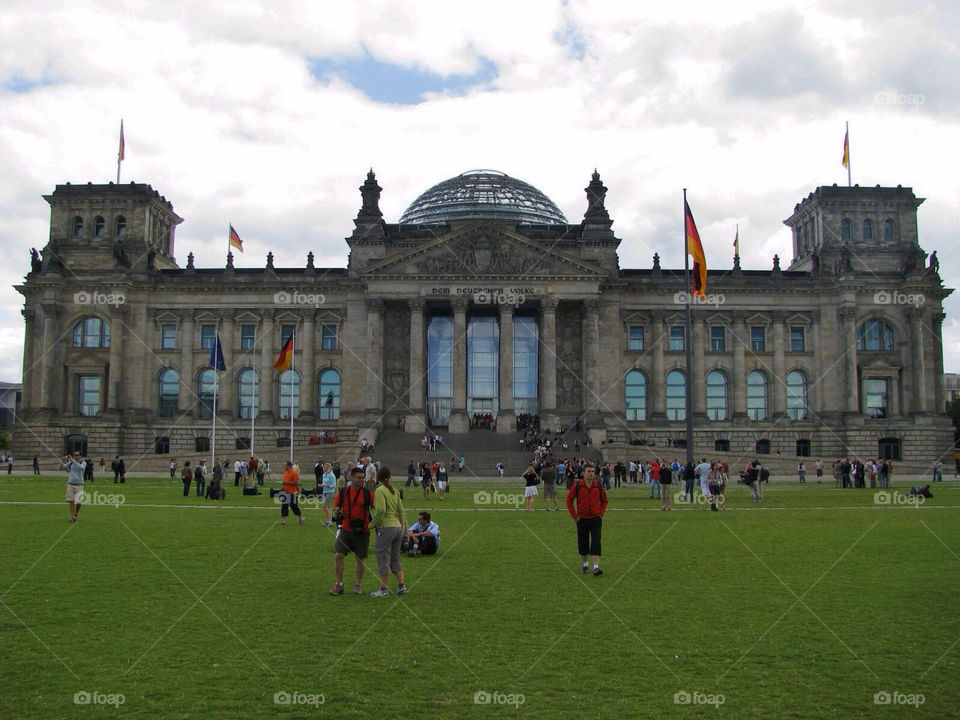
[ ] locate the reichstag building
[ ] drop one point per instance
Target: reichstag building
(483, 301)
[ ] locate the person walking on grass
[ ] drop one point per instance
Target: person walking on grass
(289, 495)
(388, 522)
(199, 478)
(426, 480)
(328, 483)
(75, 468)
(353, 533)
(548, 476)
(36, 464)
(666, 480)
(531, 480)
(587, 502)
(186, 476)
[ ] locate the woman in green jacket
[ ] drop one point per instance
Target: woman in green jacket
(388, 522)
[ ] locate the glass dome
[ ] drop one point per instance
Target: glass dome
(485, 194)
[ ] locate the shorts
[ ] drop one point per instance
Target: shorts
(328, 499)
(442, 484)
(530, 491)
(347, 541)
(549, 490)
(75, 493)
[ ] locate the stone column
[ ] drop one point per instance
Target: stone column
(812, 344)
(547, 361)
(851, 381)
(506, 417)
(920, 402)
(591, 360)
(416, 418)
(29, 390)
(374, 356)
(936, 325)
(50, 363)
(459, 422)
(739, 369)
(698, 381)
(308, 385)
(227, 399)
(656, 388)
(779, 383)
(114, 380)
(188, 388)
(269, 349)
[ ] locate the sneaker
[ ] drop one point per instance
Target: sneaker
(282, 522)
(584, 569)
(401, 590)
(328, 524)
(382, 592)
(337, 589)
(301, 520)
(597, 571)
(357, 590)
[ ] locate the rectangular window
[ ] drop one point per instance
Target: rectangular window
(242, 443)
(758, 338)
(208, 335)
(328, 337)
(797, 340)
(168, 337)
(676, 337)
(201, 444)
(721, 445)
(803, 448)
(161, 446)
(636, 338)
(718, 338)
(286, 331)
(89, 401)
(248, 337)
(876, 392)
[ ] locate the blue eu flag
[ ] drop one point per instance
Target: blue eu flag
(216, 355)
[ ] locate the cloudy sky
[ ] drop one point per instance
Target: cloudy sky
(267, 115)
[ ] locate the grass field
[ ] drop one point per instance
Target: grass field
(155, 605)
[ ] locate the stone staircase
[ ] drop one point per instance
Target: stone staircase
(481, 449)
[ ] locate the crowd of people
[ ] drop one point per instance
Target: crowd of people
(483, 420)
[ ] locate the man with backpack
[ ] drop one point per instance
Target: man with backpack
(352, 513)
(587, 502)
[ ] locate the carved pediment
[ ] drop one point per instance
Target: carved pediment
(479, 252)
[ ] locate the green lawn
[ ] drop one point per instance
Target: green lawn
(804, 607)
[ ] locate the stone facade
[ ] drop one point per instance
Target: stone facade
(839, 354)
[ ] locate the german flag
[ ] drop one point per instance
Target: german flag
(695, 249)
(285, 357)
(846, 149)
(235, 240)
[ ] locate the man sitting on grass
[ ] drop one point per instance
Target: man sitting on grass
(423, 537)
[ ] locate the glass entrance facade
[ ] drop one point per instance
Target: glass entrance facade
(525, 366)
(483, 365)
(439, 369)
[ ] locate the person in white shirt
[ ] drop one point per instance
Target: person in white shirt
(237, 469)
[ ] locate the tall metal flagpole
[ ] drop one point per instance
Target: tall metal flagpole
(293, 361)
(255, 399)
(688, 334)
(216, 391)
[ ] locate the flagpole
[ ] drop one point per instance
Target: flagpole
(255, 399)
(120, 151)
(293, 360)
(849, 181)
(688, 334)
(213, 432)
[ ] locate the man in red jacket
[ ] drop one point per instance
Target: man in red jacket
(587, 501)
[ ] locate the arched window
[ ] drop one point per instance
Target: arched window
(716, 396)
(329, 395)
(288, 394)
(874, 335)
(169, 401)
(78, 443)
(99, 226)
(889, 229)
(121, 226)
(796, 395)
(868, 229)
(846, 229)
(636, 396)
(77, 226)
(91, 332)
(757, 396)
(248, 393)
(676, 395)
(206, 387)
